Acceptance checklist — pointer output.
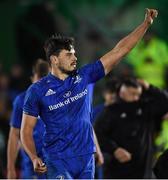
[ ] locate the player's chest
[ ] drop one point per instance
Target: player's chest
(61, 97)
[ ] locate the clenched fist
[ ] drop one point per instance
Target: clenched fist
(150, 15)
(39, 166)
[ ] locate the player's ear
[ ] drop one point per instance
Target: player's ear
(53, 59)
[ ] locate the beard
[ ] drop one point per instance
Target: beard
(68, 72)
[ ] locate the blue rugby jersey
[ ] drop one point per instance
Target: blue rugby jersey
(64, 107)
(15, 121)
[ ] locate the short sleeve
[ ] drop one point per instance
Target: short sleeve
(16, 117)
(93, 72)
(31, 102)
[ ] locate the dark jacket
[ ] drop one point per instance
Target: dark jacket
(161, 166)
(131, 126)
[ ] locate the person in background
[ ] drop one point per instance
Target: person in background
(125, 129)
(110, 96)
(40, 69)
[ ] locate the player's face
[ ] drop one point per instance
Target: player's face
(67, 61)
(130, 94)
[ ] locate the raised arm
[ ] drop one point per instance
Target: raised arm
(125, 45)
(28, 124)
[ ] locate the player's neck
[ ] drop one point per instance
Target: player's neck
(59, 74)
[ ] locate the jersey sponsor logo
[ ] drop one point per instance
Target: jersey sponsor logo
(67, 94)
(68, 100)
(50, 92)
(78, 79)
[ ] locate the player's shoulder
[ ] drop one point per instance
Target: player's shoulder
(89, 66)
(40, 83)
(39, 86)
(20, 97)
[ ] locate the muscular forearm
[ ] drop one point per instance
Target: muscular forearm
(28, 125)
(13, 149)
(126, 44)
(123, 47)
(28, 143)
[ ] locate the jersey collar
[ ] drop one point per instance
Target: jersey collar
(51, 76)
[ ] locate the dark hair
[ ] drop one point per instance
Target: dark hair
(130, 82)
(112, 85)
(56, 43)
(41, 68)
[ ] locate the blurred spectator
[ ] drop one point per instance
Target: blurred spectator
(109, 95)
(161, 140)
(4, 81)
(5, 109)
(151, 56)
(4, 96)
(125, 129)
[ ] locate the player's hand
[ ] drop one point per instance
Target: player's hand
(11, 174)
(39, 166)
(99, 158)
(150, 15)
(122, 155)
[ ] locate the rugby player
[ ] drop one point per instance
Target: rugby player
(40, 69)
(61, 100)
